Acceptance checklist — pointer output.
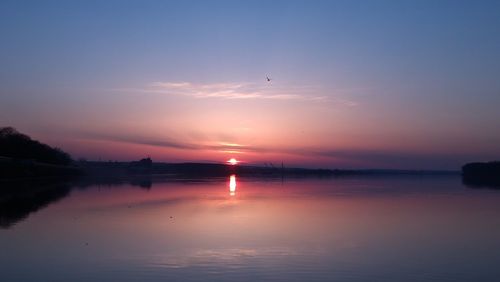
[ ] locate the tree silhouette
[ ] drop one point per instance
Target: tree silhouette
(20, 146)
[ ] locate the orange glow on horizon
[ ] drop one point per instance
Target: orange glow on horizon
(233, 161)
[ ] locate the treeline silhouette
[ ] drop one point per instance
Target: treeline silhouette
(16, 145)
(482, 174)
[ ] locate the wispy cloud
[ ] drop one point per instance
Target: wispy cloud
(230, 91)
(240, 91)
(169, 142)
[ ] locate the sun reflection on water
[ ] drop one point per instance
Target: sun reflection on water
(232, 185)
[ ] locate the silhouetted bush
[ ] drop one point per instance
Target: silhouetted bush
(481, 174)
(19, 146)
(144, 163)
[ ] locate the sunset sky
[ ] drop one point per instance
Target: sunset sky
(354, 84)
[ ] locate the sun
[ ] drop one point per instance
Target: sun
(233, 161)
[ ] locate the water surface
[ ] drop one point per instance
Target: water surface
(248, 229)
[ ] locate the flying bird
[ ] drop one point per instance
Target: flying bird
(268, 79)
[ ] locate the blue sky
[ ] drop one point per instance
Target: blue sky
(415, 81)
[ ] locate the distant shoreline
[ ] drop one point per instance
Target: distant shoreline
(196, 167)
(15, 168)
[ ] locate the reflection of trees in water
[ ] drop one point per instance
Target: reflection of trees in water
(142, 181)
(19, 200)
(481, 183)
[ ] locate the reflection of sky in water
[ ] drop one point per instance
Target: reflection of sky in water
(226, 257)
(353, 229)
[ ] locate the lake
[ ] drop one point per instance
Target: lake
(404, 228)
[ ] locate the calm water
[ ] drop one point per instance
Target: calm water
(241, 229)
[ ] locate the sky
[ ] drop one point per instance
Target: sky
(354, 84)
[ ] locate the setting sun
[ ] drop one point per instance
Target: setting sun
(233, 161)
